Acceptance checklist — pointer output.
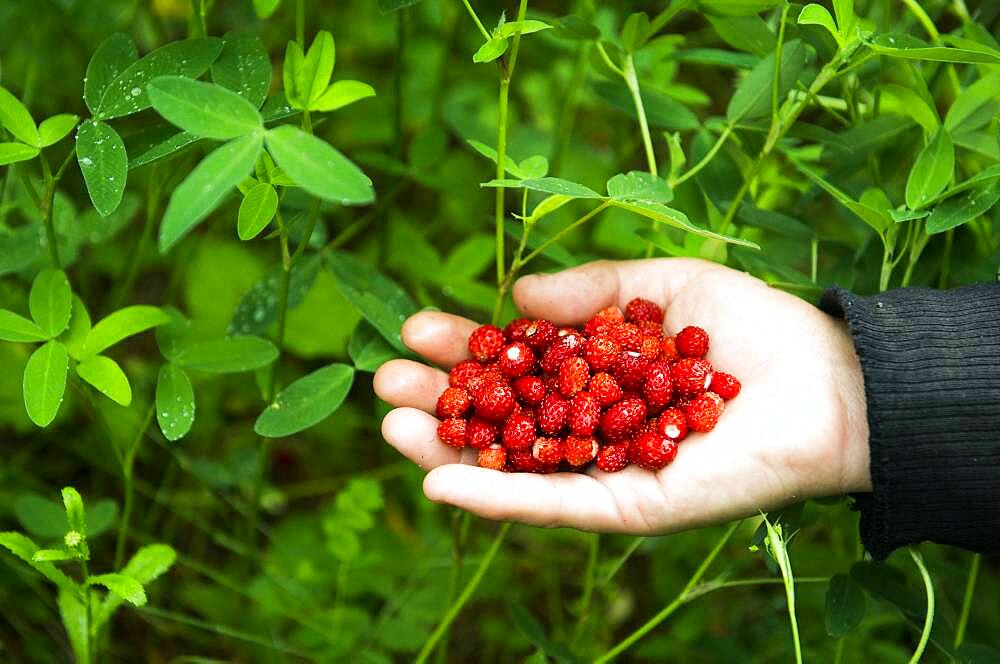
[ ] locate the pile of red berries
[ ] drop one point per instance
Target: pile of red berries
(540, 398)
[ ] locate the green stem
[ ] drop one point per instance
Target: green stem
(694, 170)
(127, 467)
(475, 18)
(91, 641)
(300, 23)
(632, 81)
(588, 583)
(925, 635)
(886, 272)
(198, 8)
(949, 239)
(135, 260)
(632, 548)
(970, 590)
(46, 210)
(467, 592)
(838, 655)
(776, 83)
(459, 530)
(661, 19)
(561, 234)
(653, 622)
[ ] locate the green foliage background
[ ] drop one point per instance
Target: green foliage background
(299, 535)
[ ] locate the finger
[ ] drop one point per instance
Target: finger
(559, 499)
(411, 384)
(572, 296)
(441, 338)
(414, 433)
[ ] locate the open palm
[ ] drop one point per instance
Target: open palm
(797, 430)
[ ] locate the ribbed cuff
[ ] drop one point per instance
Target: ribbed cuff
(931, 364)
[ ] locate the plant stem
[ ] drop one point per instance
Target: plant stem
(694, 170)
(588, 583)
(479, 24)
(632, 81)
(970, 589)
(665, 613)
(776, 83)
(46, 210)
(132, 271)
(661, 19)
(91, 641)
(558, 236)
(632, 548)
(467, 592)
(949, 239)
(929, 620)
(886, 272)
(123, 525)
(300, 23)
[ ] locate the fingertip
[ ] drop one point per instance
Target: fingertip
(570, 296)
(440, 337)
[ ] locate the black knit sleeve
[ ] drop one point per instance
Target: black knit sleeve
(931, 364)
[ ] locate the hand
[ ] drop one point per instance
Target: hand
(797, 429)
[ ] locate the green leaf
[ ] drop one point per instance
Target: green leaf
(386, 6)
(203, 109)
(56, 128)
(45, 382)
(639, 186)
(634, 31)
(548, 205)
(204, 188)
(318, 167)
(107, 377)
(54, 555)
(368, 349)
(845, 605)
(256, 210)
(981, 95)
(227, 354)
(469, 258)
(79, 327)
(47, 519)
(11, 153)
(258, 308)
(14, 327)
(574, 27)
(73, 613)
(661, 111)
(509, 165)
(340, 94)
(549, 185)
(908, 102)
(813, 14)
(126, 94)
(534, 167)
(376, 297)
(965, 207)
(124, 586)
(294, 61)
(16, 119)
(122, 324)
(51, 301)
(491, 50)
(175, 405)
(932, 170)
(900, 45)
(878, 220)
(25, 549)
(100, 152)
(148, 564)
(76, 517)
(243, 67)
(737, 7)
(511, 28)
(844, 9)
(114, 55)
(677, 219)
(306, 402)
(752, 98)
(746, 33)
(264, 8)
(317, 67)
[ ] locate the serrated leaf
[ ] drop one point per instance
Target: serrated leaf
(306, 402)
(243, 67)
(25, 549)
(963, 208)
(227, 355)
(51, 301)
(124, 586)
(368, 349)
(376, 297)
(11, 153)
(932, 170)
(14, 327)
(16, 119)
(45, 382)
(318, 167)
(340, 94)
(175, 404)
(203, 109)
(122, 324)
(54, 129)
(107, 377)
(100, 152)
(256, 211)
(845, 605)
(75, 514)
(148, 564)
(639, 186)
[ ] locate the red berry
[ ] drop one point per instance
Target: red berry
(480, 433)
(464, 371)
(488, 376)
(573, 376)
(692, 342)
(641, 309)
(703, 412)
(658, 388)
(494, 456)
(580, 450)
(627, 336)
(453, 402)
(540, 334)
(552, 413)
(691, 376)
(725, 385)
(548, 451)
(518, 432)
(653, 451)
(601, 352)
(530, 389)
(452, 432)
(560, 350)
(584, 414)
(631, 371)
(514, 331)
(602, 320)
(650, 347)
(485, 342)
(605, 389)
(517, 359)
(495, 401)
(672, 423)
(650, 328)
(622, 419)
(522, 461)
(668, 349)
(613, 458)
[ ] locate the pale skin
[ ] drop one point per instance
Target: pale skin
(797, 430)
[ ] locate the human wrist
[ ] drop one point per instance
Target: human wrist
(849, 386)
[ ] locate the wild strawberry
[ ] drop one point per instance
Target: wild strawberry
(522, 461)
(627, 336)
(518, 432)
(692, 342)
(552, 413)
(540, 334)
(584, 414)
(464, 371)
(452, 432)
(668, 349)
(658, 388)
(613, 458)
(630, 372)
(672, 423)
(691, 376)
(480, 433)
(560, 350)
(530, 389)
(580, 450)
(548, 451)
(453, 402)
(650, 328)
(573, 376)
(495, 401)
(490, 375)
(725, 385)
(601, 352)
(622, 419)
(704, 411)
(485, 342)
(494, 456)
(514, 331)
(653, 451)
(517, 359)
(650, 347)
(602, 320)
(605, 389)
(640, 309)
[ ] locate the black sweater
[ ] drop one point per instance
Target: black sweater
(931, 364)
